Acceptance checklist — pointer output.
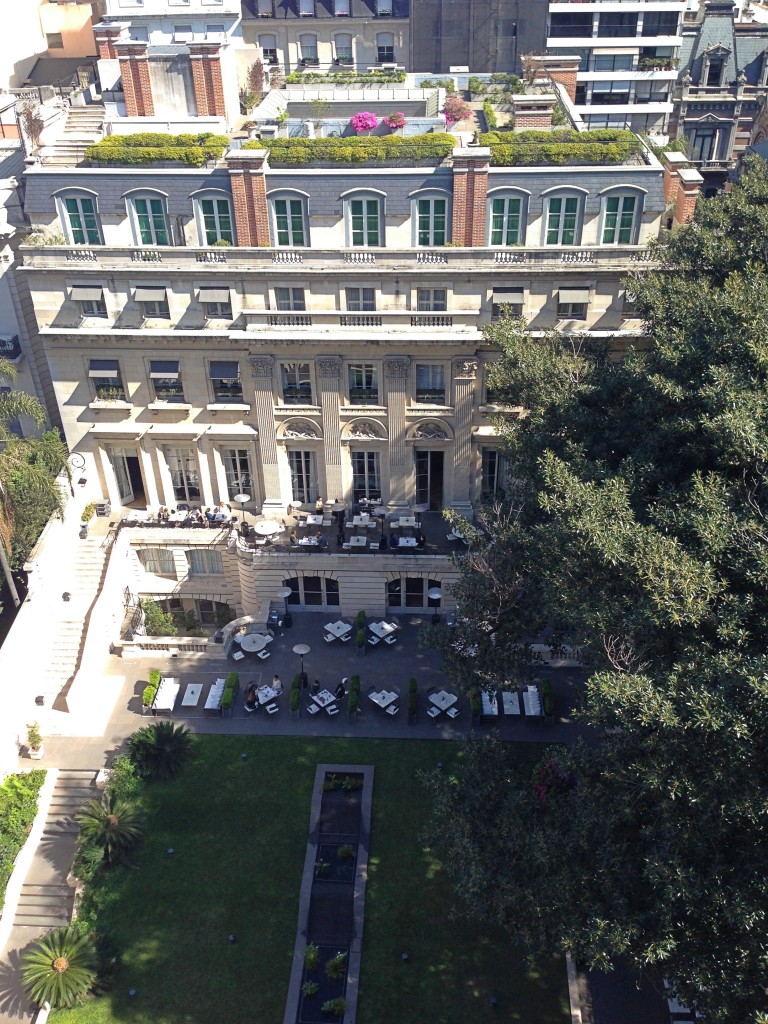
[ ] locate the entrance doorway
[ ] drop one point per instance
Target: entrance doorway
(130, 483)
(429, 478)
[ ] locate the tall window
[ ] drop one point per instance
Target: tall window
(297, 384)
(303, 476)
(184, 475)
(341, 8)
(166, 380)
(308, 45)
(506, 220)
(431, 221)
(205, 562)
(363, 384)
(150, 224)
(268, 44)
(619, 220)
(562, 220)
(410, 592)
(430, 384)
(361, 300)
(493, 471)
(225, 381)
(312, 590)
(81, 221)
(508, 300)
(366, 482)
(237, 468)
(343, 47)
(157, 560)
(215, 220)
(290, 299)
(290, 224)
(106, 380)
(615, 24)
(364, 222)
(385, 48)
(431, 300)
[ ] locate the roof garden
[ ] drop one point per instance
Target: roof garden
(153, 147)
(562, 146)
(369, 149)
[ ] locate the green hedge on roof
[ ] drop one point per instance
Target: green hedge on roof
(152, 147)
(563, 146)
(355, 149)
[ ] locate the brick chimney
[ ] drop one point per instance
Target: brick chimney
(688, 193)
(560, 68)
(205, 58)
(106, 35)
(673, 162)
(533, 111)
(134, 71)
(247, 177)
(470, 188)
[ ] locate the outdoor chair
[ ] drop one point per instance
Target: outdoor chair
(346, 638)
(332, 709)
(452, 712)
(238, 656)
(392, 709)
(373, 640)
(433, 712)
(312, 709)
(263, 655)
(329, 638)
(390, 639)
(272, 708)
(250, 708)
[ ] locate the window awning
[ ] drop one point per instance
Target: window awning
(150, 294)
(103, 368)
(574, 294)
(214, 294)
(163, 369)
(224, 370)
(501, 291)
(87, 293)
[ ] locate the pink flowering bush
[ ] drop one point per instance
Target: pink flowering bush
(455, 109)
(365, 121)
(395, 121)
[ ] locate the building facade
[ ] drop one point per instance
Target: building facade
(295, 333)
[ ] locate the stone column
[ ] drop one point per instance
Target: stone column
(247, 169)
(464, 380)
(262, 368)
(205, 59)
(328, 375)
(134, 71)
(167, 497)
(396, 399)
(203, 454)
(148, 474)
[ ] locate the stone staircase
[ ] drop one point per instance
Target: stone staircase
(65, 636)
(45, 900)
(84, 126)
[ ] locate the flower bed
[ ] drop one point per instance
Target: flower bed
(18, 807)
(153, 147)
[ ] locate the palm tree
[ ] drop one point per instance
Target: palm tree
(61, 968)
(28, 467)
(159, 751)
(113, 824)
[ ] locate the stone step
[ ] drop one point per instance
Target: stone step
(48, 905)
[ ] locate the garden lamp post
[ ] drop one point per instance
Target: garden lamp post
(285, 593)
(301, 650)
(241, 500)
(435, 594)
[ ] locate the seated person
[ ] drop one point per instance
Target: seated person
(315, 688)
(293, 538)
(322, 543)
(421, 540)
(339, 692)
(251, 698)
(393, 542)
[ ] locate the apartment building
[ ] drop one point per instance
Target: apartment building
(628, 57)
(294, 332)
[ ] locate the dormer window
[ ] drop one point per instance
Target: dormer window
(713, 67)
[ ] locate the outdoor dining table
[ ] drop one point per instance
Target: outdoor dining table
(405, 521)
(511, 703)
(166, 695)
(338, 628)
(358, 542)
(532, 703)
(323, 698)
(309, 542)
(314, 519)
(266, 693)
(192, 695)
(253, 642)
(381, 629)
(383, 699)
(364, 520)
(407, 542)
(443, 699)
(178, 517)
(213, 700)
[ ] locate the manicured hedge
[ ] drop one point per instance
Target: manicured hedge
(18, 806)
(230, 691)
(355, 150)
(150, 690)
(547, 697)
(566, 146)
(345, 77)
(412, 691)
(152, 147)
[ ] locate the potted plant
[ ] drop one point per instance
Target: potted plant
(335, 1007)
(365, 121)
(475, 703)
(395, 122)
(360, 642)
(34, 741)
(353, 703)
(281, 120)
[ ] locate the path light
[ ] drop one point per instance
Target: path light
(170, 851)
(232, 937)
(132, 993)
(243, 757)
(435, 594)
(241, 500)
(405, 957)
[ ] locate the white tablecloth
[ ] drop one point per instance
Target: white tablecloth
(382, 629)
(338, 628)
(383, 699)
(443, 699)
(324, 698)
(407, 542)
(253, 642)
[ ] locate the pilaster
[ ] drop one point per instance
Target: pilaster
(262, 370)
(464, 379)
(329, 374)
(134, 71)
(148, 475)
(400, 471)
(208, 485)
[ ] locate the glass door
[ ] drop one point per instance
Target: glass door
(429, 479)
(119, 459)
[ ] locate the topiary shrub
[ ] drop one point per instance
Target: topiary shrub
(230, 691)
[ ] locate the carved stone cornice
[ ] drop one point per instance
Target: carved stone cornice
(328, 367)
(397, 369)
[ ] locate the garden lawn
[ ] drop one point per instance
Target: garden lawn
(239, 833)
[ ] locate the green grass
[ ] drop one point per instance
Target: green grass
(239, 830)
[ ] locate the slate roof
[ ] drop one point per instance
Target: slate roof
(744, 43)
(288, 10)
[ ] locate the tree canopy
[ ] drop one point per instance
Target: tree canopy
(634, 523)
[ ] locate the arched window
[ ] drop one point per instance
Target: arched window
(80, 218)
(363, 219)
(507, 212)
(213, 215)
(563, 216)
(620, 216)
(289, 219)
(342, 46)
(430, 214)
(308, 47)
(149, 221)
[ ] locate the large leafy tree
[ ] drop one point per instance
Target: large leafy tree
(636, 524)
(29, 467)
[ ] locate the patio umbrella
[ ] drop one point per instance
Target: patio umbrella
(267, 527)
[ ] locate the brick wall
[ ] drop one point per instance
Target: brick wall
(105, 37)
(533, 119)
(134, 71)
(249, 196)
(470, 188)
(207, 80)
